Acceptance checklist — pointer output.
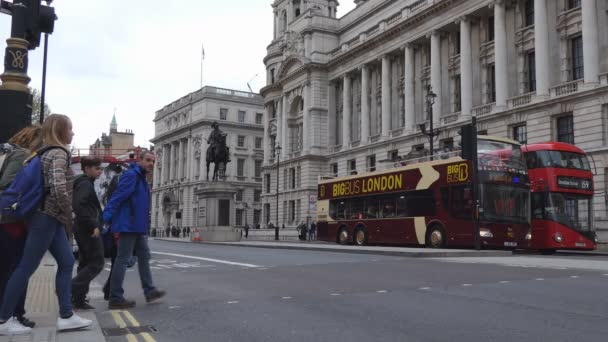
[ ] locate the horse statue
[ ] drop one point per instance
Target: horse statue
(218, 154)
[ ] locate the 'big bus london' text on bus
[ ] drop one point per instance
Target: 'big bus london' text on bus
(431, 203)
(562, 193)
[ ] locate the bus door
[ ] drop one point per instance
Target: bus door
(460, 206)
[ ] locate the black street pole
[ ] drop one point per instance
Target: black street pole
(276, 227)
(475, 176)
(43, 91)
(431, 133)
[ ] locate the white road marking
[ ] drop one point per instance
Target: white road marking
(540, 279)
(504, 281)
(174, 307)
(467, 285)
(285, 297)
(382, 291)
(574, 276)
(606, 274)
(336, 294)
(262, 268)
(156, 268)
(219, 261)
(233, 302)
(424, 288)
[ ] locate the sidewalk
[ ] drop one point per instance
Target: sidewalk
(41, 307)
(414, 252)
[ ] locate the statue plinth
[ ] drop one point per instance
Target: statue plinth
(217, 214)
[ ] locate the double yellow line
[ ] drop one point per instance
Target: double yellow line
(118, 318)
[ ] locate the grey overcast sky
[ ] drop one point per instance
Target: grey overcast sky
(139, 55)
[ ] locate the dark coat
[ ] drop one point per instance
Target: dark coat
(86, 206)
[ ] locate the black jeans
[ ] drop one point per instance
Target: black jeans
(90, 264)
(11, 251)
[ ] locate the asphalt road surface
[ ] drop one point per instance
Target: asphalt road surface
(222, 293)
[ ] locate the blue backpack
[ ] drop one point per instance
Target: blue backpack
(26, 193)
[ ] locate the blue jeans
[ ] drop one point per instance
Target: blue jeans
(45, 233)
(128, 243)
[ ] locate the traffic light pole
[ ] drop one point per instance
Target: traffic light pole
(43, 91)
(475, 176)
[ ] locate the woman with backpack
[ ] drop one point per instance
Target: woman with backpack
(12, 231)
(47, 232)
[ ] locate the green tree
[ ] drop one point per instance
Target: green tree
(36, 107)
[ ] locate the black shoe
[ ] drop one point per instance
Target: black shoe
(121, 304)
(155, 295)
(82, 306)
(26, 322)
(106, 296)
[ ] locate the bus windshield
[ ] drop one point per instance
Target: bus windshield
(504, 203)
(572, 211)
(560, 159)
(501, 155)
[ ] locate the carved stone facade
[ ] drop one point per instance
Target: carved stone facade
(363, 77)
(182, 128)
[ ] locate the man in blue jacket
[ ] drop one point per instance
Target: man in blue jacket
(127, 213)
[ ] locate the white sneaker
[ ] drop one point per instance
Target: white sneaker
(72, 323)
(13, 327)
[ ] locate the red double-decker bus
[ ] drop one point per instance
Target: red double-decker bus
(431, 203)
(562, 196)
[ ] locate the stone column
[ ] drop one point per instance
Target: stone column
(541, 47)
(333, 114)
(285, 134)
(590, 41)
(171, 162)
(500, 54)
(409, 80)
(365, 73)
(190, 157)
(266, 138)
(306, 133)
(279, 122)
(167, 166)
(386, 96)
(436, 75)
(275, 26)
(466, 68)
(347, 105)
(180, 159)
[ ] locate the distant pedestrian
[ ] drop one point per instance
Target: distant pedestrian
(87, 232)
(184, 232)
(47, 232)
(313, 231)
(188, 231)
(246, 231)
(167, 232)
(13, 233)
(127, 212)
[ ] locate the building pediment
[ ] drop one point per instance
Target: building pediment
(291, 65)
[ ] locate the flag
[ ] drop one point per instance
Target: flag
(203, 52)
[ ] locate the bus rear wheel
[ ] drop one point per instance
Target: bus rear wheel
(360, 237)
(435, 237)
(343, 236)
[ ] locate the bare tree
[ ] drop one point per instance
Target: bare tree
(36, 107)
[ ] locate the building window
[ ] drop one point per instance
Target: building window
(529, 13)
(285, 211)
(565, 129)
(258, 142)
(491, 83)
(457, 94)
(223, 113)
(298, 177)
(456, 40)
(333, 168)
(272, 77)
(258, 118)
(418, 148)
(393, 155)
(257, 195)
(520, 133)
(239, 217)
(371, 163)
(267, 182)
(298, 207)
(241, 116)
(241, 141)
(267, 213)
(572, 4)
(240, 167)
(531, 71)
(292, 178)
(258, 168)
(578, 66)
(257, 215)
(352, 166)
(273, 108)
(491, 28)
(239, 195)
(292, 211)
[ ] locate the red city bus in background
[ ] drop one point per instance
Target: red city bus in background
(431, 203)
(562, 197)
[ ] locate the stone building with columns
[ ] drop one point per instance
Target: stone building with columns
(344, 94)
(181, 132)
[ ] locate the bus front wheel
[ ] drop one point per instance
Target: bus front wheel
(343, 236)
(360, 236)
(435, 237)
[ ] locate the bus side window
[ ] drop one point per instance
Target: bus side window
(461, 202)
(356, 209)
(387, 207)
(402, 206)
(421, 203)
(371, 208)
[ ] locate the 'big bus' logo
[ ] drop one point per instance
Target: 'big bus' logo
(458, 173)
(322, 191)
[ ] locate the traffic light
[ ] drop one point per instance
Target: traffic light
(467, 134)
(40, 19)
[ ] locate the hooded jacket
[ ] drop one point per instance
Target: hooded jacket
(128, 208)
(86, 206)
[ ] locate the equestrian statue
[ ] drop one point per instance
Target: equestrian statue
(217, 152)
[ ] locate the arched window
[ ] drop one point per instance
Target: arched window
(297, 12)
(284, 21)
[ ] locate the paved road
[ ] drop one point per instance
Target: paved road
(220, 293)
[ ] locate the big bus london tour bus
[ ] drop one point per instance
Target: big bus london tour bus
(562, 196)
(431, 203)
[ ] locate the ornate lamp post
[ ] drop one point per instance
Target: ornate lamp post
(277, 150)
(431, 133)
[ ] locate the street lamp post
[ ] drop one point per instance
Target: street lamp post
(276, 227)
(431, 133)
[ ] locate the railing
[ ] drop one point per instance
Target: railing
(373, 31)
(355, 143)
(417, 5)
(565, 88)
(450, 118)
(483, 110)
(336, 148)
(521, 100)
(375, 138)
(393, 19)
(604, 79)
(397, 132)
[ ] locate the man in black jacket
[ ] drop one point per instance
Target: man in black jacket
(87, 232)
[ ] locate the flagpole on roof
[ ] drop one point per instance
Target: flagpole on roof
(202, 61)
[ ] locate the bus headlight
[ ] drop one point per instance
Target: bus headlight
(529, 236)
(558, 237)
(485, 232)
